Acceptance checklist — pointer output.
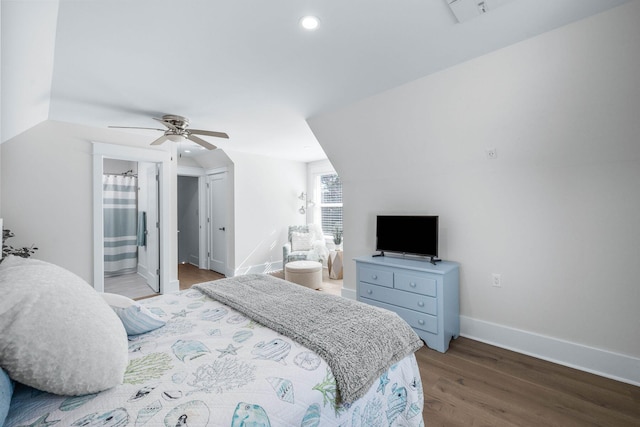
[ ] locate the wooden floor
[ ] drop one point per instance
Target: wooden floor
(189, 275)
(476, 384)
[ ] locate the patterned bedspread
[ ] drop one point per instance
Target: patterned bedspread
(211, 366)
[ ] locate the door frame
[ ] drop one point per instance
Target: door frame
(202, 206)
(152, 181)
(225, 244)
(203, 203)
(122, 152)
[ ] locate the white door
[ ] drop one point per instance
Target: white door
(217, 222)
(153, 230)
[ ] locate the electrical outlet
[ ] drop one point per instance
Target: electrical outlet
(492, 153)
(496, 280)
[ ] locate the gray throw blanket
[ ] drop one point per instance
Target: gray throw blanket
(359, 342)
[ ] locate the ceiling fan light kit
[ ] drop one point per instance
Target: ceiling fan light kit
(175, 138)
(177, 131)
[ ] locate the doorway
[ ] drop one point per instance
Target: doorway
(188, 221)
(131, 234)
(204, 233)
(160, 163)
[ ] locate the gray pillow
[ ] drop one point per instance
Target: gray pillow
(58, 334)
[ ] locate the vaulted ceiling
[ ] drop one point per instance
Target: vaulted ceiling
(240, 66)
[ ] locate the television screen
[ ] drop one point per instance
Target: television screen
(416, 235)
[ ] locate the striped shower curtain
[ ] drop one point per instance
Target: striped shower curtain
(120, 219)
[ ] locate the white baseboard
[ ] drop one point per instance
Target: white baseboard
(349, 293)
(605, 363)
(142, 270)
(267, 267)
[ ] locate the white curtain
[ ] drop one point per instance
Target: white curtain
(120, 224)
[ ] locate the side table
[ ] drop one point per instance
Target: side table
(335, 264)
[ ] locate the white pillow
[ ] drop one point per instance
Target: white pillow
(58, 334)
(136, 318)
(300, 241)
(14, 261)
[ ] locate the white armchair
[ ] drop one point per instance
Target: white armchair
(305, 242)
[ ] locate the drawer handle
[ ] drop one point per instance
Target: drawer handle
(369, 291)
(421, 304)
(412, 284)
(374, 277)
(421, 321)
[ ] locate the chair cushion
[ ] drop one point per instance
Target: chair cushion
(301, 241)
(297, 229)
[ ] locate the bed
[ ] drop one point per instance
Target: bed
(212, 363)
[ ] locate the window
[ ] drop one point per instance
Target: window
(330, 191)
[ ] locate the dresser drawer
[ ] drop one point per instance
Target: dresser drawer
(409, 300)
(376, 276)
(425, 295)
(420, 284)
(415, 319)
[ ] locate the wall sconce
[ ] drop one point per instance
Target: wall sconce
(306, 203)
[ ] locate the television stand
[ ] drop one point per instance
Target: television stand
(431, 259)
(426, 296)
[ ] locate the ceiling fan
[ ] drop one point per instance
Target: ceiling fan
(177, 130)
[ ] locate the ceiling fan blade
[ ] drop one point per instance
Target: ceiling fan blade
(160, 140)
(134, 127)
(167, 124)
(202, 142)
(209, 133)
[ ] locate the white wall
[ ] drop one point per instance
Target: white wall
(556, 213)
(27, 63)
(118, 167)
(47, 175)
(266, 194)
(187, 162)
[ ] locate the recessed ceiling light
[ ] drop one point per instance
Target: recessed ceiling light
(309, 22)
(187, 151)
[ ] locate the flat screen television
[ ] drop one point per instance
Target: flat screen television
(408, 234)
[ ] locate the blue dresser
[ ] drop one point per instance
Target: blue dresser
(426, 296)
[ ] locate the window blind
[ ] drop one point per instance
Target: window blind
(330, 203)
